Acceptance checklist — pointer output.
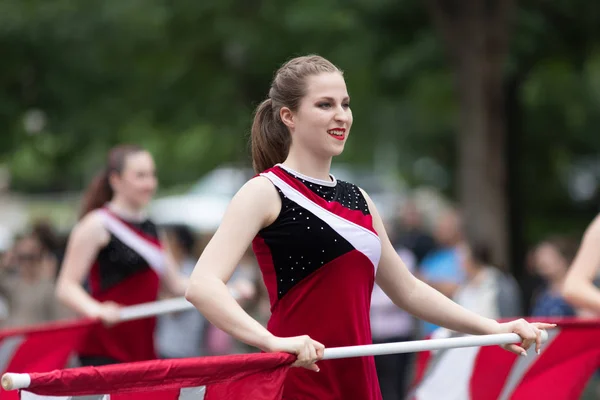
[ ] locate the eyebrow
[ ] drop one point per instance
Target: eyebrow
(347, 98)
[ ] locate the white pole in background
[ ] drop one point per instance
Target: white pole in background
(161, 307)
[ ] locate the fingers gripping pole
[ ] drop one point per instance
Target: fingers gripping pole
(12, 381)
(424, 345)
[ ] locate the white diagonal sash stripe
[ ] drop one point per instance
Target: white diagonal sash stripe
(149, 251)
(359, 237)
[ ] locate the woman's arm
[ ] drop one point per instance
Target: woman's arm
(424, 302)
(86, 239)
(579, 286)
(255, 206)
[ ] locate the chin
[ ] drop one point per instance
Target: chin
(143, 203)
(337, 150)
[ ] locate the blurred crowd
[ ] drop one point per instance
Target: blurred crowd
(439, 254)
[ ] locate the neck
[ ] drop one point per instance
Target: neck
(556, 285)
(309, 164)
(476, 274)
(125, 209)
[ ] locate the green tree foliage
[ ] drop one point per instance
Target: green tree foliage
(182, 79)
(554, 66)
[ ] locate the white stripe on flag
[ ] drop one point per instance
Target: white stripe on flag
(8, 347)
(520, 368)
(149, 251)
(359, 237)
(192, 393)
(32, 396)
(450, 377)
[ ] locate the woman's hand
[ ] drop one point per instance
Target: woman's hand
(530, 333)
(110, 313)
(309, 351)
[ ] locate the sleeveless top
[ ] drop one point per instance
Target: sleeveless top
(318, 260)
(126, 271)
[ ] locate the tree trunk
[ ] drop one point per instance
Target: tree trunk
(476, 37)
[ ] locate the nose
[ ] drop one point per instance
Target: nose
(151, 184)
(342, 114)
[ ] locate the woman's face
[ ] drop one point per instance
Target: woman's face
(28, 253)
(137, 182)
(323, 120)
(549, 263)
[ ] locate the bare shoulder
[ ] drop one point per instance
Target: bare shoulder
(258, 189)
(91, 229)
(258, 196)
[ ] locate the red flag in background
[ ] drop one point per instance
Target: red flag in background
(244, 376)
(561, 371)
(40, 348)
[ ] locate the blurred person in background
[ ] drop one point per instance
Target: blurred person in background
(552, 259)
(390, 324)
(410, 232)
(29, 291)
(47, 235)
(180, 334)
(487, 290)
(529, 280)
(320, 244)
(115, 257)
(8, 264)
(441, 268)
(579, 288)
(6, 256)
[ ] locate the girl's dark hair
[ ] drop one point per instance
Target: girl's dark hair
(565, 246)
(99, 190)
(270, 138)
(480, 251)
(45, 232)
(185, 237)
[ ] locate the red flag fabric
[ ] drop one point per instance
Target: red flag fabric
(561, 371)
(253, 376)
(40, 348)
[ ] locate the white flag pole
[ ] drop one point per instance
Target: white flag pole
(12, 381)
(155, 308)
(161, 307)
(424, 345)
